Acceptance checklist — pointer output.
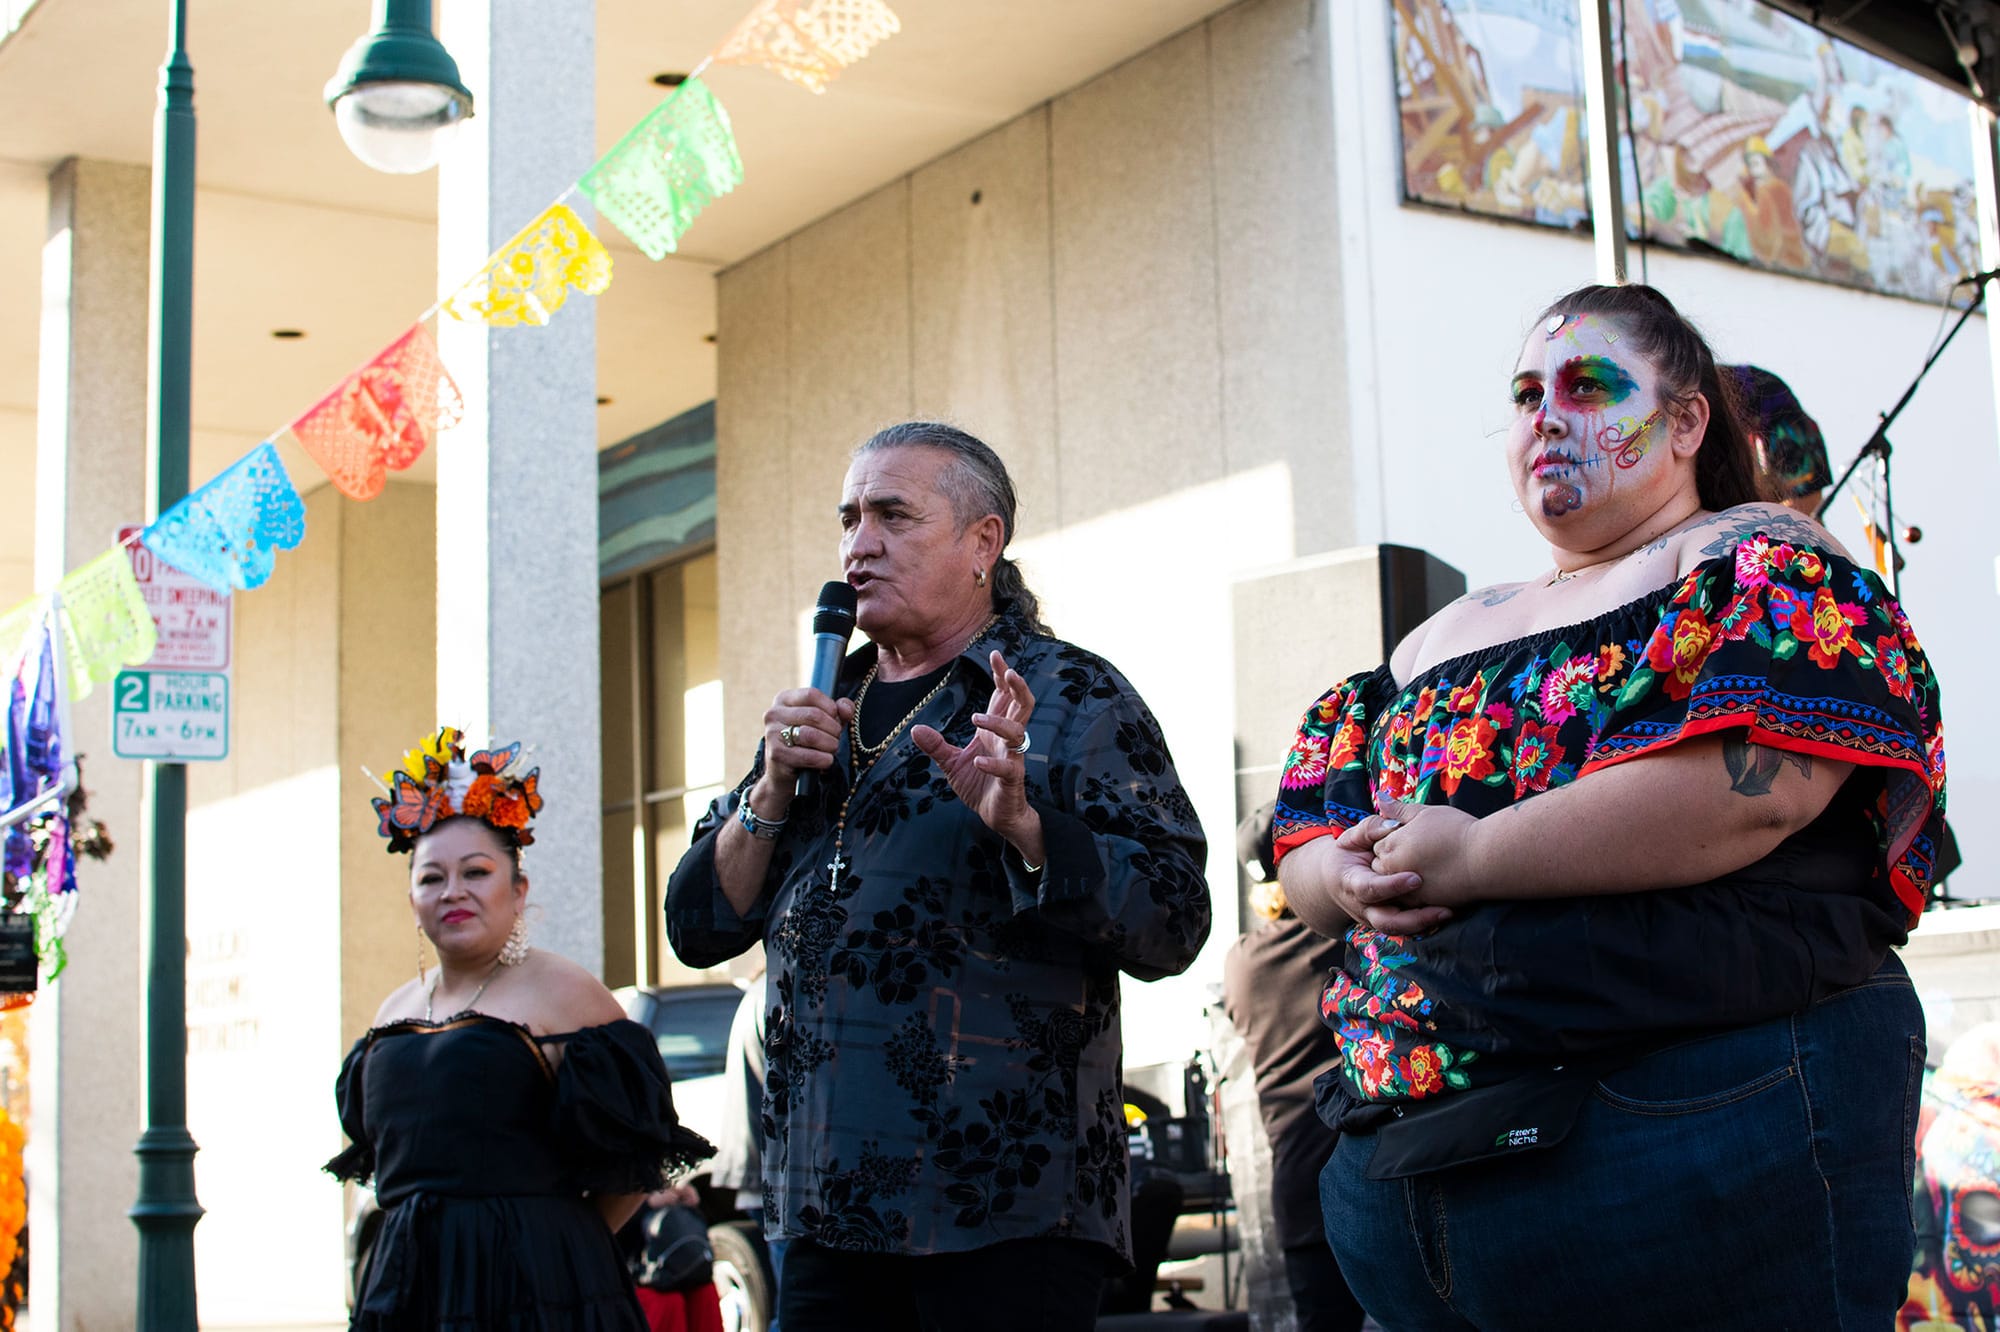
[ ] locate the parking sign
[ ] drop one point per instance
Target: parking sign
(176, 705)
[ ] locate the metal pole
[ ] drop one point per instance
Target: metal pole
(1600, 106)
(1986, 181)
(166, 1210)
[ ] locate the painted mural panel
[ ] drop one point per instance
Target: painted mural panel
(1756, 135)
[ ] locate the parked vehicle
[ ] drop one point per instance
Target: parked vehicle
(691, 1025)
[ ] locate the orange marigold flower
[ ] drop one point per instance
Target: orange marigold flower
(1468, 751)
(479, 796)
(1826, 627)
(1426, 1071)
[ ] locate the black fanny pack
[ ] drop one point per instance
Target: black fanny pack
(1522, 1114)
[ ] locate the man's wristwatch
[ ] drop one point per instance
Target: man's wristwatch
(764, 830)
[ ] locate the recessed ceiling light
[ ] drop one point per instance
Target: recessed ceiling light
(288, 334)
(603, 401)
(670, 80)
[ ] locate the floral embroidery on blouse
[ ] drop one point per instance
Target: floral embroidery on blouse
(1794, 646)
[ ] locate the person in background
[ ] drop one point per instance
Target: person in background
(1269, 978)
(667, 1252)
(1791, 454)
(739, 1148)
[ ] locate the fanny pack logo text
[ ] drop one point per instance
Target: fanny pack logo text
(1520, 1137)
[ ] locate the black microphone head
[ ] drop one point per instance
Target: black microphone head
(835, 612)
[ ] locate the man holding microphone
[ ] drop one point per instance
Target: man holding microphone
(990, 830)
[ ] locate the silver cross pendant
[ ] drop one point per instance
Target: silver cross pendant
(834, 867)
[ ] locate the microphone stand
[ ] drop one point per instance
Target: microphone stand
(1879, 448)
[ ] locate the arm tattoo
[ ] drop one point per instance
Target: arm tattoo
(1753, 769)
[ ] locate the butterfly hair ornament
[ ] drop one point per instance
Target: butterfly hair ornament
(439, 781)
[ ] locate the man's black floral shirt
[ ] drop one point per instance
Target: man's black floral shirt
(943, 1040)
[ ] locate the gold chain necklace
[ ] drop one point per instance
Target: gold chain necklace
(431, 993)
(873, 753)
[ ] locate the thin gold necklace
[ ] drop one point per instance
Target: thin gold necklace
(431, 993)
(873, 753)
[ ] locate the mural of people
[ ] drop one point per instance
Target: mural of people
(1751, 133)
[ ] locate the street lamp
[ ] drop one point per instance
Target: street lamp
(166, 1210)
(397, 97)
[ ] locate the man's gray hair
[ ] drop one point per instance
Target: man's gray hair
(976, 483)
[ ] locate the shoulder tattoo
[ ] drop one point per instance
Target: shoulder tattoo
(1492, 596)
(1787, 526)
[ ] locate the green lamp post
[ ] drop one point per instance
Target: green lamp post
(397, 97)
(166, 1210)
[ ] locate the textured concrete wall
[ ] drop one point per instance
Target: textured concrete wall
(90, 479)
(388, 607)
(1131, 293)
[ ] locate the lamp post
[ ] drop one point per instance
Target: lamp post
(397, 97)
(166, 1210)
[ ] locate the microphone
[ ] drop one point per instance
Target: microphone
(833, 625)
(1977, 279)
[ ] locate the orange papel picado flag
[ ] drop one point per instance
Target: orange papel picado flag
(808, 41)
(382, 417)
(528, 279)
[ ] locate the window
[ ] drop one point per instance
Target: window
(661, 675)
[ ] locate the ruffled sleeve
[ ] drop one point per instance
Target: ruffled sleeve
(1802, 651)
(1324, 787)
(614, 1112)
(357, 1162)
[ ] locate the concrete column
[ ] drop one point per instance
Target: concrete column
(517, 481)
(90, 477)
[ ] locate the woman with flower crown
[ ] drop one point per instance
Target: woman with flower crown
(510, 1116)
(1622, 1040)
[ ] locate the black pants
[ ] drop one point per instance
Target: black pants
(1319, 1293)
(1031, 1285)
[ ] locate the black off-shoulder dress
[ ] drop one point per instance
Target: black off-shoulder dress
(483, 1152)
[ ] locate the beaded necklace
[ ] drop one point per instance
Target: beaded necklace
(868, 755)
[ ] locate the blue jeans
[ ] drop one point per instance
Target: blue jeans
(1756, 1179)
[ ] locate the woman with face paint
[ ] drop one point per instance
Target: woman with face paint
(1622, 1040)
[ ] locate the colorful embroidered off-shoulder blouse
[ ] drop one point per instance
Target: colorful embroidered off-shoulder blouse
(1798, 649)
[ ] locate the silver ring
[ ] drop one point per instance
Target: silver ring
(789, 735)
(1021, 748)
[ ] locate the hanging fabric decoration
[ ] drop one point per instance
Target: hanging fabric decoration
(808, 41)
(674, 163)
(105, 621)
(528, 279)
(228, 533)
(37, 759)
(382, 417)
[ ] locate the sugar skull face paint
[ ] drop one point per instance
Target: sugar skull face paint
(1587, 413)
(1593, 384)
(1560, 499)
(1626, 440)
